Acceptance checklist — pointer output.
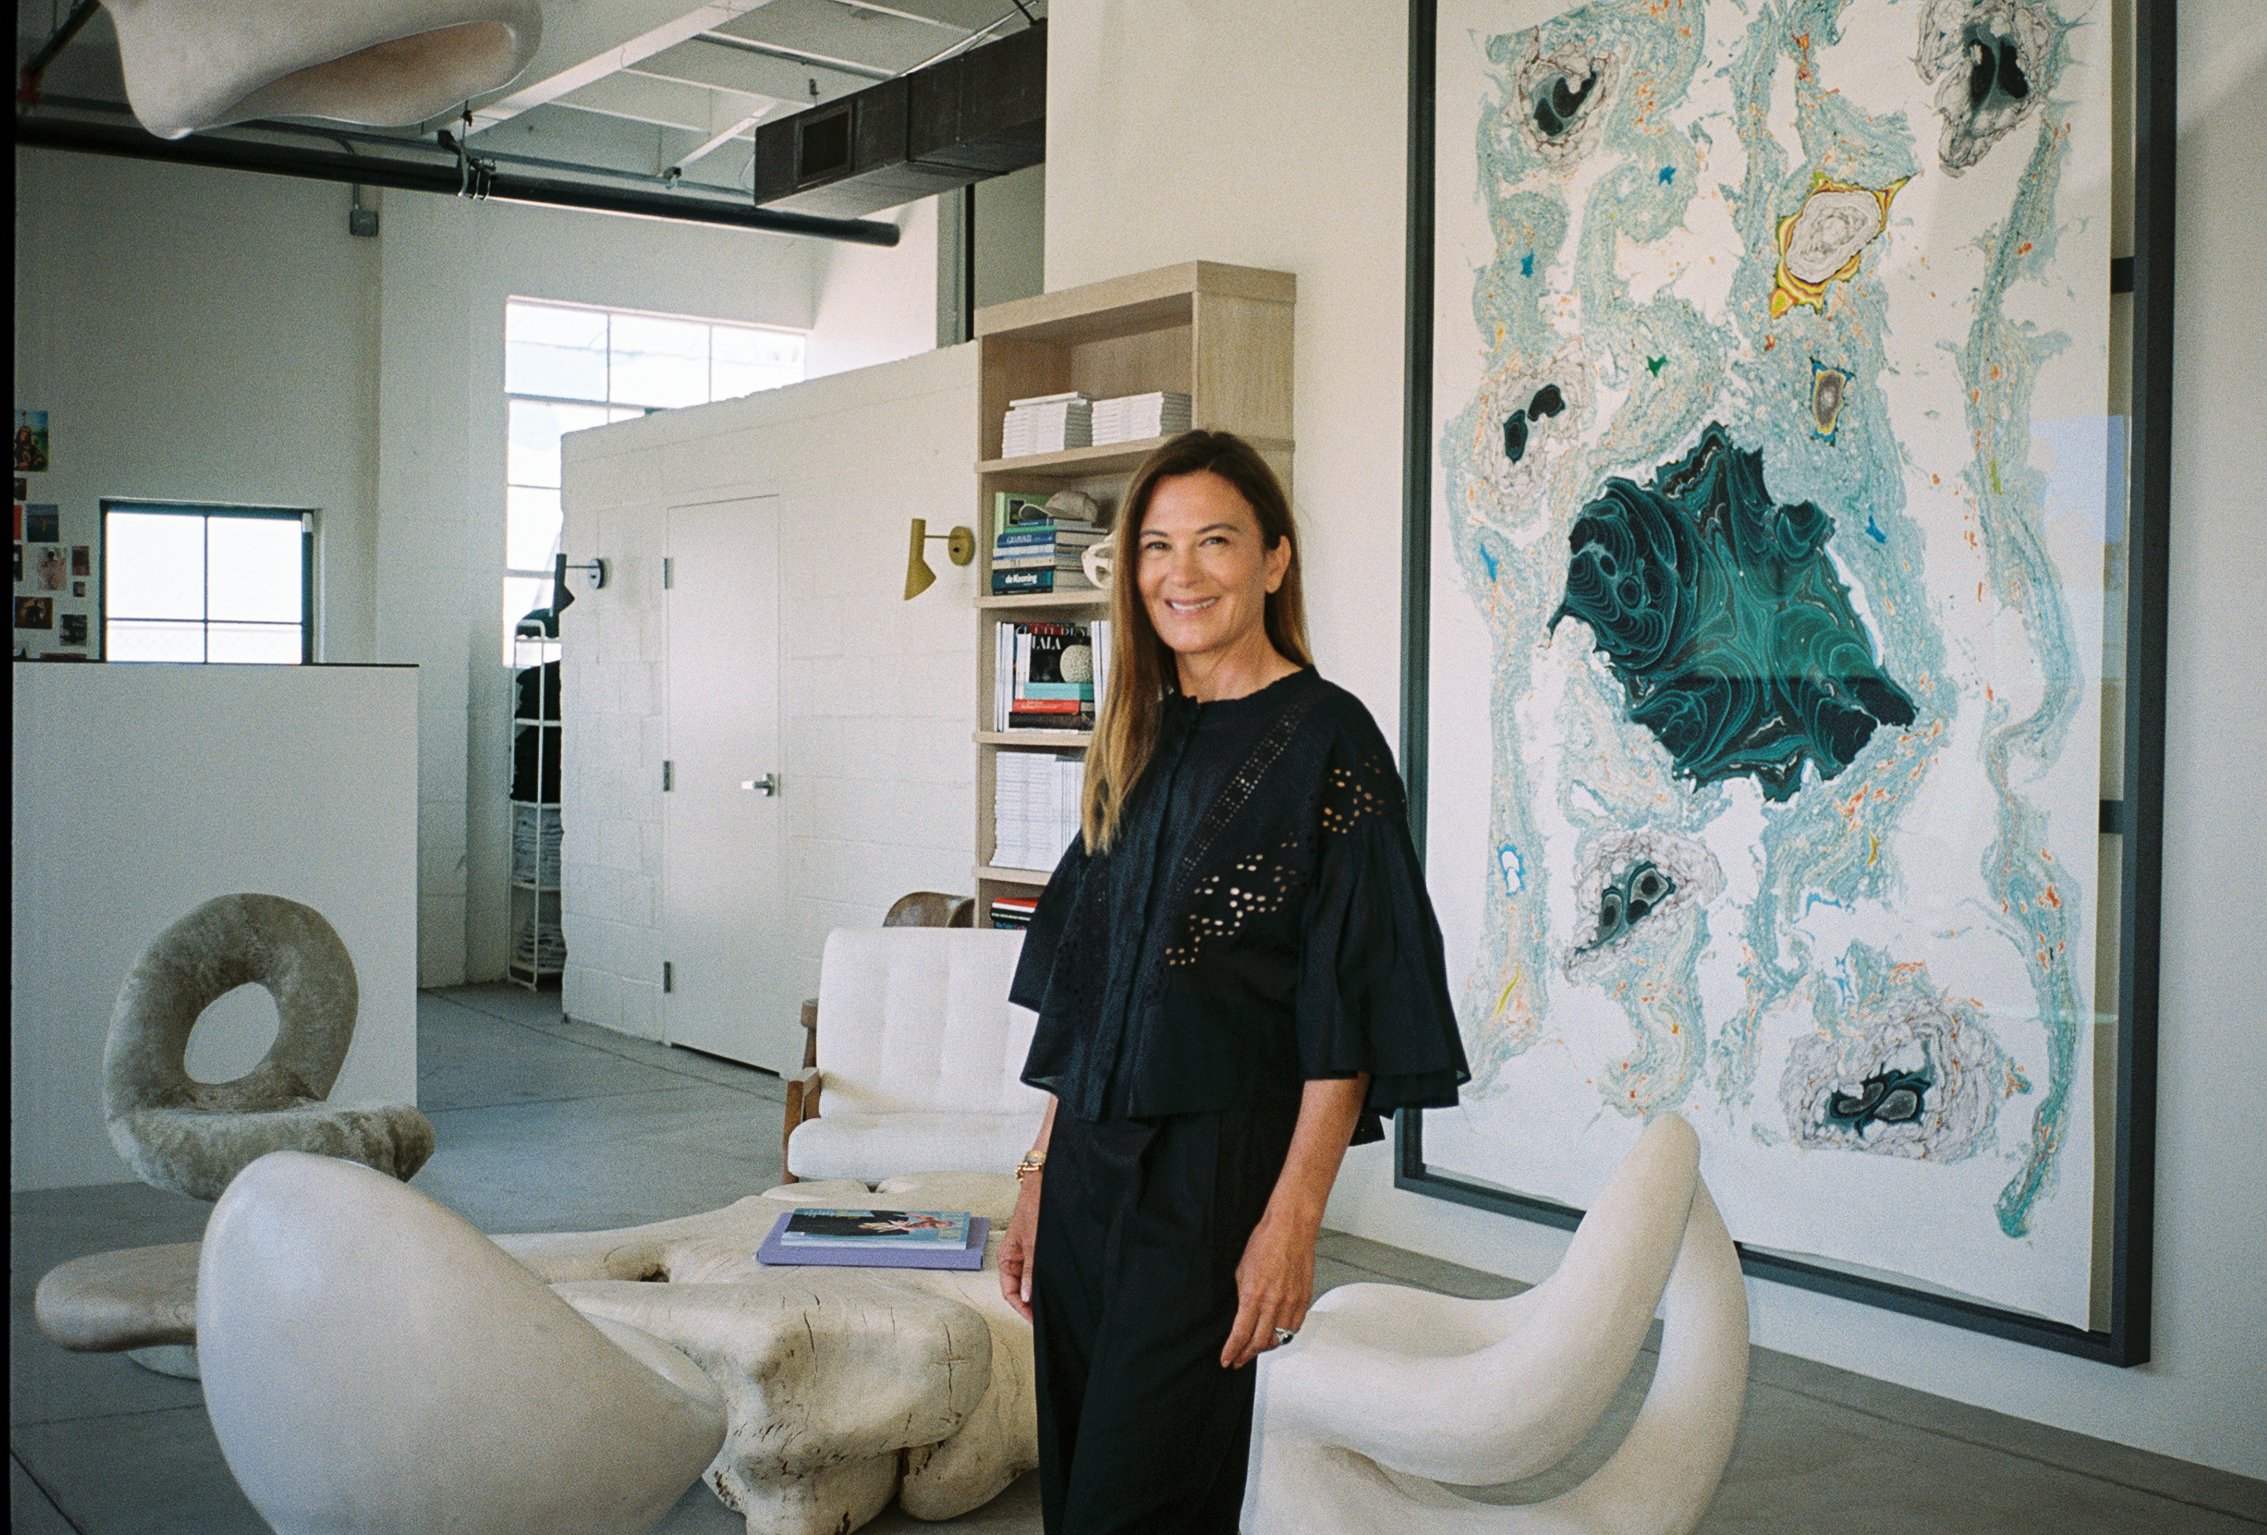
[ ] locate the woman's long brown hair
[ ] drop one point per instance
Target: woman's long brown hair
(1125, 733)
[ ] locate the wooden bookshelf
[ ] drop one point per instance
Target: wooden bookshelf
(1220, 334)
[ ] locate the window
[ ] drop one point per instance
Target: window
(567, 368)
(206, 583)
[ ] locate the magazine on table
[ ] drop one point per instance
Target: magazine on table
(857, 1237)
(876, 1228)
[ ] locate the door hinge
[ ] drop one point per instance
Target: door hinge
(668, 573)
(668, 776)
(668, 978)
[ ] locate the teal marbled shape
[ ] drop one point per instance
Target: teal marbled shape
(1722, 617)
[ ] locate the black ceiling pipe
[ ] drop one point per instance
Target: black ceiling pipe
(445, 177)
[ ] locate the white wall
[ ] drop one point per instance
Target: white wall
(141, 791)
(448, 267)
(876, 694)
(147, 301)
(1011, 236)
(1271, 134)
(212, 335)
(874, 304)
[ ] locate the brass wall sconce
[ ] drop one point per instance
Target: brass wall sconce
(960, 544)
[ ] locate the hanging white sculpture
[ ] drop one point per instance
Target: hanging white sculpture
(192, 64)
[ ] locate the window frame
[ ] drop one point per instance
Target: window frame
(510, 572)
(205, 512)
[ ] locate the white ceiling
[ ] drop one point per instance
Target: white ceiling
(648, 86)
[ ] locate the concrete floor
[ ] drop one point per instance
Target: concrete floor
(551, 1125)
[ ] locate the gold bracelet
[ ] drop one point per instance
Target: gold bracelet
(1031, 1163)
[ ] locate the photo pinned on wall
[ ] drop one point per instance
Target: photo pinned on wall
(71, 628)
(19, 561)
(82, 560)
(35, 612)
(31, 441)
(23, 488)
(78, 588)
(51, 568)
(43, 524)
(19, 534)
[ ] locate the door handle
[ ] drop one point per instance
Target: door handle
(768, 784)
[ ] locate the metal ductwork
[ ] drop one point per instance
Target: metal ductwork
(978, 114)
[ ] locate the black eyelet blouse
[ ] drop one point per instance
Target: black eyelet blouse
(1261, 920)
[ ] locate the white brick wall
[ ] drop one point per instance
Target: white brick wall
(875, 692)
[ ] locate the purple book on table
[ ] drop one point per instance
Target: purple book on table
(775, 1251)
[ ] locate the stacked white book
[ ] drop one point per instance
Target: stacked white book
(1131, 417)
(1048, 423)
(1035, 806)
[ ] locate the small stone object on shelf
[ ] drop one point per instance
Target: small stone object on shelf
(1098, 562)
(1074, 506)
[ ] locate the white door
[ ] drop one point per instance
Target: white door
(723, 840)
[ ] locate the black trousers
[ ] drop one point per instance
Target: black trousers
(1141, 1225)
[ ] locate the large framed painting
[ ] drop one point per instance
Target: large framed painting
(1787, 445)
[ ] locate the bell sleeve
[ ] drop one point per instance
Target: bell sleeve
(1045, 934)
(1373, 987)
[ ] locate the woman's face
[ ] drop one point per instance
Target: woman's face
(1203, 567)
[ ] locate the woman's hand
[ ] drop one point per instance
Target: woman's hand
(1275, 1281)
(1017, 1246)
(1275, 1284)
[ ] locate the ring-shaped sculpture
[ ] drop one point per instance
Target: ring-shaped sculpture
(193, 1137)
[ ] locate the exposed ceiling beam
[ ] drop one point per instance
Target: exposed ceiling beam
(707, 62)
(671, 103)
(954, 15)
(805, 57)
(718, 140)
(587, 41)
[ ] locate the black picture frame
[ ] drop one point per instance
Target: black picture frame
(2137, 818)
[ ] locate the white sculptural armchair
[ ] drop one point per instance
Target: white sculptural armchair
(919, 1058)
(373, 1364)
(1391, 1398)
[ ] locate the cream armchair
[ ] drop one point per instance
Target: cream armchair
(919, 1058)
(1393, 1399)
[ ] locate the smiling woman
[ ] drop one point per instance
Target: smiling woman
(1236, 973)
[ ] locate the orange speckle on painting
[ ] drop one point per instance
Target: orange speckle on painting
(2051, 898)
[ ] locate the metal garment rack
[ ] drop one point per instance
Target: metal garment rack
(539, 950)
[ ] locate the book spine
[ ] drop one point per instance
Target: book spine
(1044, 536)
